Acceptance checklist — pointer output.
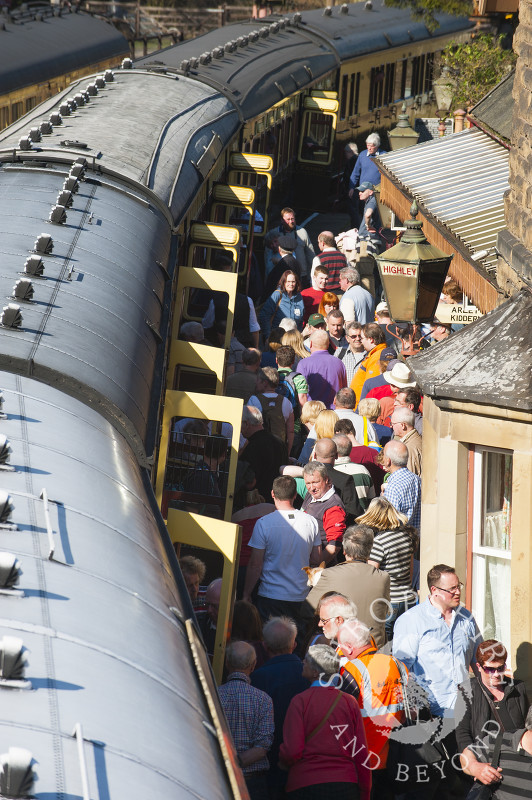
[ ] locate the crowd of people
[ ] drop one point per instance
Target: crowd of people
(332, 657)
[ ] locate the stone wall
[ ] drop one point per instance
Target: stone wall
(515, 244)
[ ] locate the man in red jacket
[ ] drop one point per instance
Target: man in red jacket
(322, 503)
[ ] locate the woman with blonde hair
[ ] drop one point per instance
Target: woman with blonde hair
(393, 551)
(370, 408)
(295, 339)
(309, 414)
(323, 429)
(329, 302)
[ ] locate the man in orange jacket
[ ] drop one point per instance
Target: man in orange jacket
(374, 342)
(380, 696)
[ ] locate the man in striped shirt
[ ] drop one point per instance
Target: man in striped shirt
(360, 475)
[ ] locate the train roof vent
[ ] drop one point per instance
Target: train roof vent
(80, 99)
(296, 18)
(127, 63)
(109, 75)
(369, 5)
(100, 82)
(274, 28)
(327, 11)
(65, 198)
(242, 41)
(229, 47)
(39, 18)
(56, 119)
(86, 95)
(77, 170)
(71, 184)
(64, 109)
(44, 244)
(72, 103)
(253, 36)
(218, 52)
(23, 289)
(35, 135)
(46, 127)
(34, 266)
(25, 143)
(264, 32)
(17, 776)
(58, 215)
(6, 507)
(5, 447)
(10, 570)
(344, 9)
(11, 317)
(92, 89)
(205, 58)
(12, 661)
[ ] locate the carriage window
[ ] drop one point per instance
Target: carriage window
(354, 92)
(418, 74)
(376, 87)
(316, 142)
(343, 96)
(389, 84)
(16, 111)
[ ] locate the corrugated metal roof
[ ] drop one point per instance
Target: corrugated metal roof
(460, 180)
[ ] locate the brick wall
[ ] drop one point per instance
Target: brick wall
(472, 280)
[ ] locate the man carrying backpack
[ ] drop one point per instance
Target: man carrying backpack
(294, 387)
(277, 410)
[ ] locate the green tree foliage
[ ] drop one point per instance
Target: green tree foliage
(476, 67)
(426, 10)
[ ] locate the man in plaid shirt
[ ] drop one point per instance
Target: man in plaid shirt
(249, 714)
(403, 488)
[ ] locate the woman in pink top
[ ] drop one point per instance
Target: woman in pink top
(324, 744)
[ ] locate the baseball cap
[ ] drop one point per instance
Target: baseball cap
(316, 319)
(365, 185)
(387, 354)
(381, 307)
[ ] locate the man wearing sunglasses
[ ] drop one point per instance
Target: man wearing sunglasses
(437, 641)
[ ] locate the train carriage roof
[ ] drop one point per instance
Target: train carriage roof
(260, 62)
(38, 49)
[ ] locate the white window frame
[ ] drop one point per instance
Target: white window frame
(480, 551)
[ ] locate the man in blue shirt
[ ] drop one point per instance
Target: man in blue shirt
(437, 641)
(365, 168)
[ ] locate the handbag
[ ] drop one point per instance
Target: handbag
(483, 791)
(404, 758)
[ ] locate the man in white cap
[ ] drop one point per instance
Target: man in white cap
(400, 379)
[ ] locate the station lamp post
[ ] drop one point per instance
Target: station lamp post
(412, 274)
(402, 135)
(443, 88)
